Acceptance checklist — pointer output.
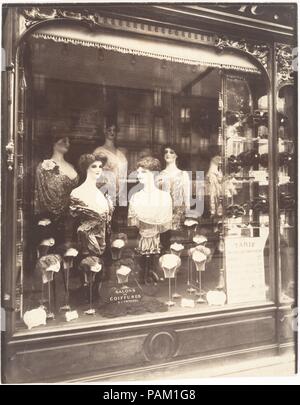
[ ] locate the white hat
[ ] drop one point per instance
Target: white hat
(199, 239)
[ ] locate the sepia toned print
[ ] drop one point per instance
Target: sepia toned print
(149, 201)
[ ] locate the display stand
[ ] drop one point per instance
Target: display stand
(123, 275)
(50, 314)
(176, 249)
(190, 288)
(43, 250)
(170, 264)
(48, 265)
(91, 310)
(199, 260)
(68, 263)
(91, 265)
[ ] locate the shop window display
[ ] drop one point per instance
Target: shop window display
(115, 206)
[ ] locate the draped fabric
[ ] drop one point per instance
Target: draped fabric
(149, 242)
(152, 216)
(162, 49)
(93, 227)
(52, 190)
(153, 208)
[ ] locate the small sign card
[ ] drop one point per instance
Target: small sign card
(124, 295)
(245, 272)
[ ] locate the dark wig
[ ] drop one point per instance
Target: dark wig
(180, 161)
(52, 136)
(88, 158)
(175, 148)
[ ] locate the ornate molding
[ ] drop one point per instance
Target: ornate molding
(259, 51)
(35, 15)
(284, 64)
(10, 152)
(275, 13)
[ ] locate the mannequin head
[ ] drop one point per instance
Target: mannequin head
(170, 155)
(146, 169)
(61, 144)
(92, 165)
(59, 140)
(110, 132)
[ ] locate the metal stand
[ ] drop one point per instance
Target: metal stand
(200, 293)
(50, 314)
(66, 275)
(170, 303)
(43, 300)
(41, 253)
(190, 289)
(221, 283)
(91, 310)
(176, 295)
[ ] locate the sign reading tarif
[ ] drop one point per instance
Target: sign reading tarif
(245, 270)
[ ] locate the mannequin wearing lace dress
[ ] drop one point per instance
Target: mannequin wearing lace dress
(150, 209)
(116, 162)
(177, 183)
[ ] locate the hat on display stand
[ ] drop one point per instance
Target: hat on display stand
(68, 254)
(123, 274)
(118, 242)
(177, 248)
(191, 225)
(170, 263)
(48, 265)
(200, 240)
(91, 265)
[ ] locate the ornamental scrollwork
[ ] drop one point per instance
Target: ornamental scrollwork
(284, 61)
(258, 51)
(274, 13)
(34, 15)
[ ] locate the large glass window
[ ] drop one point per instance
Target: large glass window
(144, 187)
(287, 187)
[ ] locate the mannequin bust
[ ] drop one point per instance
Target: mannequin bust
(150, 209)
(55, 179)
(116, 160)
(177, 183)
(214, 178)
(234, 143)
(91, 206)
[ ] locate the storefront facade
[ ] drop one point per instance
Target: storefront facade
(189, 252)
